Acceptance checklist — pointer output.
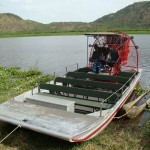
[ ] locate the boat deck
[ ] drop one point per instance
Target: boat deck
(46, 120)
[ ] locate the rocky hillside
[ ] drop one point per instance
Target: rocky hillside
(13, 23)
(134, 16)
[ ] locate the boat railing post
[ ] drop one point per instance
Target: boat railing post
(54, 78)
(66, 70)
(122, 90)
(32, 91)
(77, 66)
(101, 110)
(87, 50)
(38, 89)
(13, 94)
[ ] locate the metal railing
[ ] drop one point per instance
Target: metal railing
(77, 65)
(121, 89)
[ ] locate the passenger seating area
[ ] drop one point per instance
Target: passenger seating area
(89, 84)
(88, 89)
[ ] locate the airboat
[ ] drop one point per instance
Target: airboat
(79, 105)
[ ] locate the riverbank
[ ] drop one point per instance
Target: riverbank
(118, 135)
(61, 33)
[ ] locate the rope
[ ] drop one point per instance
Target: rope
(19, 126)
(123, 114)
(140, 97)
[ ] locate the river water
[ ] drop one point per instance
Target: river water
(49, 53)
(53, 53)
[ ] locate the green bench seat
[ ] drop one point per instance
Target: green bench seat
(127, 74)
(83, 102)
(93, 104)
(89, 83)
(122, 73)
(80, 91)
(106, 78)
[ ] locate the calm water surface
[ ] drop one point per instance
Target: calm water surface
(54, 53)
(50, 53)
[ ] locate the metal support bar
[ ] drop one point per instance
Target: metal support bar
(77, 66)
(101, 110)
(87, 50)
(66, 70)
(32, 91)
(38, 89)
(13, 94)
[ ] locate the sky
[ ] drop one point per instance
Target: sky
(47, 11)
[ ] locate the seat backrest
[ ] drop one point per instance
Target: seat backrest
(79, 91)
(89, 83)
(99, 77)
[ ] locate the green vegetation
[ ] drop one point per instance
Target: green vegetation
(146, 133)
(133, 19)
(132, 16)
(15, 81)
(63, 33)
(139, 90)
(23, 34)
(116, 136)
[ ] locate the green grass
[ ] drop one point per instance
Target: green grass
(15, 81)
(54, 33)
(62, 33)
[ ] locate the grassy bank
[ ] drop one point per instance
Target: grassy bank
(5, 35)
(118, 135)
(25, 34)
(15, 81)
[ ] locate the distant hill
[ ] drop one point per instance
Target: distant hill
(13, 23)
(135, 16)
